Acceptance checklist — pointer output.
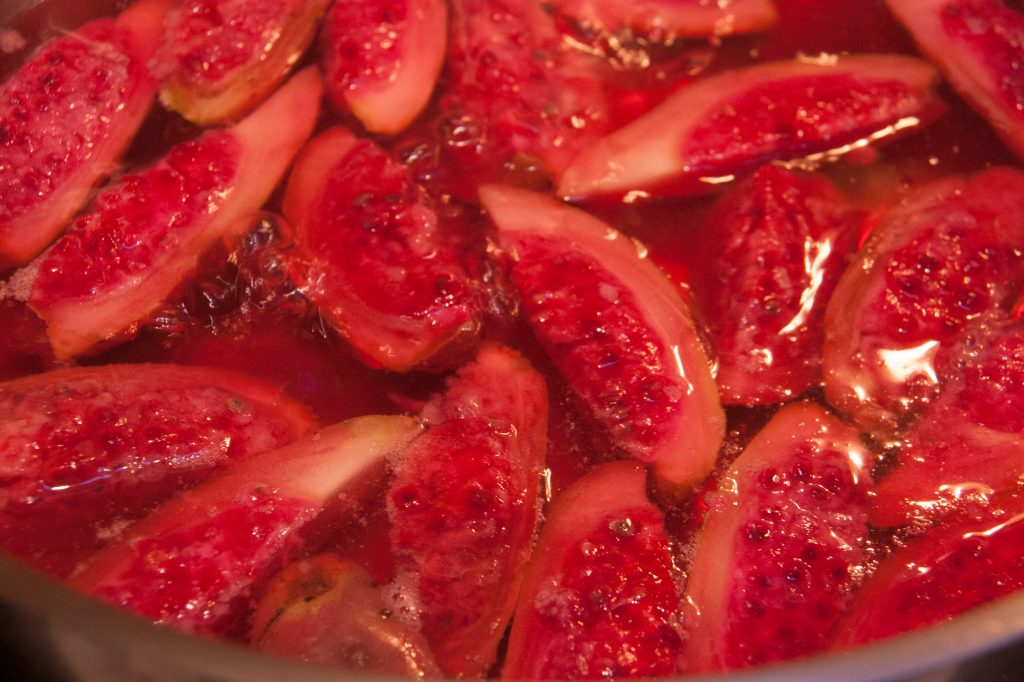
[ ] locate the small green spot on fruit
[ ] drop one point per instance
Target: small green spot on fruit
(235, 405)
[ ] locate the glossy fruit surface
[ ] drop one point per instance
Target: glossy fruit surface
(600, 598)
(945, 254)
(782, 545)
(672, 17)
(219, 58)
(145, 234)
(382, 58)
(464, 505)
(728, 124)
(197, 561)
(777, 244)
(66, 117)
(85, 451)
(977, 45)
(617, 329)
(373, 256)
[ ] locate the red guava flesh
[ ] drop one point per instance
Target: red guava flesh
(373, 255)
(382, 59)
(946, 253)
(977, 45)
(144, 235)
(945, 571)
(65, 118)
(83, 452)
(517, 100)
(600, 599)
(616, 328)
(736, 121)
(782, 544)
(219, 58)
(966, 445)
(670, 19)
(773, 249)
(200, 561)
(464, 504)
(328, 610)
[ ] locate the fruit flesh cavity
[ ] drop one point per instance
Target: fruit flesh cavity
(782, 545)
(617, 329)
(219, 58)
(85, 451)
(730, 123)
(65, 118)
(600, 597)
(373, 256)
(142, 236)
(198, 561)
(328, 610)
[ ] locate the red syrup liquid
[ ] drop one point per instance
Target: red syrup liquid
(240, 312)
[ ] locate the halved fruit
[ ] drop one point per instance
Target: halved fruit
(672, 18)
(600, 599)
(782, 545)
(65, 118)
(968, 444)
(735, 121)
(85, 451)
(949, 569)
(945, 254)
(328, 610)
(373, 257)
(199, 561)
(144, 235)
(616, 328)
(772, 251)
(977, 45)
(519, 102)
(219, 58)
(464, 505)
(381, 59)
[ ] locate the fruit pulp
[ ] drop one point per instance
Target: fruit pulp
(239, 312)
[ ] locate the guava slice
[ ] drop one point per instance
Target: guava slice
(730, 123)
(616, 328)
(144, 235)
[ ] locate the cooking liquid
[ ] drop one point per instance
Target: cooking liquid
(241, 312)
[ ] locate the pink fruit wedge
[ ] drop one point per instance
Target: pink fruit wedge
(464, 505)
(219, 58)
(977, 45)
(772, 251)
(519, 100)
(735, 121)
(782, 544)
(144, 235)
(969, 443)
(65, 118)
(949, 569)
(600, 599)
(674, 18)
(328, 610)
(200, 561)
(381, 59)
(945, 254)
(616, 328)
(372, 255)
(85, 451)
